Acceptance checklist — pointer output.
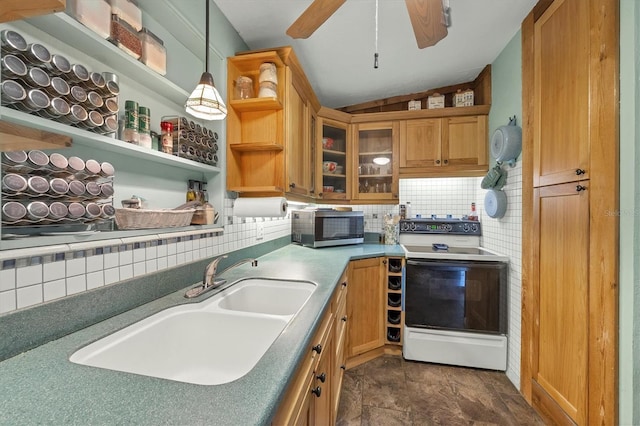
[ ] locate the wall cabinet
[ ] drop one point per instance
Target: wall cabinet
(375, 162)
(271, 139)
(333, 146)
(449, 146)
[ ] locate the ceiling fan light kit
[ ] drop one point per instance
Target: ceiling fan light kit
(205, 101)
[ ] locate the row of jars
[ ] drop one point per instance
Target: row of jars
(14, 184)
(55, 164)
(38, 82)
(188, 139)
(44, 212)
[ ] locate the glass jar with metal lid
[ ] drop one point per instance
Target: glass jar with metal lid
(58, 162)
(106, 190)
(37, 185)
(76, 188)
(12, 92)
(57, 211)
(110, 106)
(37, 210)
(78, 73)
(77, 95)
(77, 114)
(76, 165)
(94, 101)
(92, 211)
(35, 100)
(58, 87)
(93, 189)
(14, 158)
(37, 159)
(107, 169)
(12, 42)
(92, 167)
(58, 186)
(56, 109)
(93, 120)
(95, 82)
(36, 78)
(13, 211)
(12, 67)
(111, 89)
(13, 183)
(36, 54)
(76, 210)
(59, 65)
(108, 211)
(110, 125)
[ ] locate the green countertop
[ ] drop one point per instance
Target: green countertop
(42, 386)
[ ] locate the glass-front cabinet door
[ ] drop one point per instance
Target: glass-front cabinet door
(376, 161)
(334, 165)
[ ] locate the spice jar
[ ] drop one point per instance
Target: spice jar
(58, 87)
(130, 132)
(12, 92)
(125, 37)
(13, 67)
(167, 137)
(37, 159)
(37, 55)
(144, 127)
(58, 162)
(77, 114)
(14, 158)
(13, 211)
(13, 183)
(76, 188)
(12, 42)
(94, 101)
(77, 95)
(76, 165)
(36, 100)
(36, 78)
(108, 211)
(58, 186)
(57, 210)
(244, 87)
(110, 125)
(56, 109)
(37, 185)
(37, 210)
(268, 72)
(76, 210)
(78, 73)
(59, 65)
(268, 89)
(109, 107)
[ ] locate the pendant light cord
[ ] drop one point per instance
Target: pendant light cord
(375, 56)
(206, 32)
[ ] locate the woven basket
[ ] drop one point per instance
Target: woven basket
(146, 219)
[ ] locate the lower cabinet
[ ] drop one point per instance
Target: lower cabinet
(366, 306)
(313, 395)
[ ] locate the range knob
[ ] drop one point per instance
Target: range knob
(448, 227)
(474, 228)
(412, 226)
(465, 227)
(404, 226)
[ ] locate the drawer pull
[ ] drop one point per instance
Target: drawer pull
(344, 318)
(344, 284)
(580, 172)
(322, 377)
(317, 391)
(317, 348)
(580, 188)
(344, 367)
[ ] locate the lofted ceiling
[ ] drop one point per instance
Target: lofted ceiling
(338, 58)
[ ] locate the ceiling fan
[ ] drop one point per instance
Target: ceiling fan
(429, 19)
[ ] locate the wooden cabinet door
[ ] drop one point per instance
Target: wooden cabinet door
(561, 94)
(298, 150)
(376, 181)
(561, 290)
(336, 149)
(323, 408)
(365, 306)
(420, 143)
(464, 142)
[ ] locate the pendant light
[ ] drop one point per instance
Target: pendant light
(205, 101)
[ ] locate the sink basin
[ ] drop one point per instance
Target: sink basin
(211, 342)
(266, 296)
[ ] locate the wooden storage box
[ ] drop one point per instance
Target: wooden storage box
(149, 219)
(461, 99)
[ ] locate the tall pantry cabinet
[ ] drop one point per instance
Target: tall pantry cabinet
(570, 194)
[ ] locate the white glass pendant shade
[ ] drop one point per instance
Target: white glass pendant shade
(205, 101)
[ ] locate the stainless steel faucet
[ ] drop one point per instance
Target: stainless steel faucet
(209, 282)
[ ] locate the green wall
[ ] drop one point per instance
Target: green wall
(629, 356)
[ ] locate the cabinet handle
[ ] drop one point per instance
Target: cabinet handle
(343, 367)
(395, 195)
(344, 284)
(446, 161)
(317, 391)
(292, 185)
(322, 377)
(317, 348)
(437, 161)
(580, 188)
(384, 262)
(580, 172)
(344, 318)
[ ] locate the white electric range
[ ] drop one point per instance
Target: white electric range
(455, 295)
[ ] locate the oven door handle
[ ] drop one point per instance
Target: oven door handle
(439, 263)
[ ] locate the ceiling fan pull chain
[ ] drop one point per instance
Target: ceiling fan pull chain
(375, 56)
(446, 17)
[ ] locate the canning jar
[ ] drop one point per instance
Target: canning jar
(244, 87)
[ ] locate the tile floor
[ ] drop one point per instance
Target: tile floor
(391, 391)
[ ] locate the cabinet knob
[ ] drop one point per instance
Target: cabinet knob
(437, 161)
(580, 188)
(446, 161)
(344, 284)
(384, 262)
(322, 377)
(395, 195)
(344, 318)
(317, 348)
(317, 391)
(292, 185)
(343, 367)
(580, 172)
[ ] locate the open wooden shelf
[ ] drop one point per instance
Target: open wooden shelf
(256, 146)
(256, 104)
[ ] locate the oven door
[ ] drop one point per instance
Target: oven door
(456, 295)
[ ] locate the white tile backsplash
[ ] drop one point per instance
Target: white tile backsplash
(7, 301)
(7, 279)
(76, 284)
(55, 289)
(29, 275)
(28, 296)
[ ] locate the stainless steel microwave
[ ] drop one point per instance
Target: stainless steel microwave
(327, 227)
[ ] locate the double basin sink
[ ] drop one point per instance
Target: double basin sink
(211, 342)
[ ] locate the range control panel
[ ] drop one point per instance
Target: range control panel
(439, 226)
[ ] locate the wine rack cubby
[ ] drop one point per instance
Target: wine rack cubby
(394, 317)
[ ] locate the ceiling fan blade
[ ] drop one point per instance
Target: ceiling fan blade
(314, 16)
(428, 21)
